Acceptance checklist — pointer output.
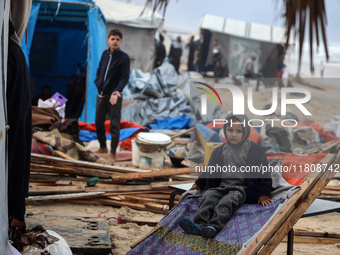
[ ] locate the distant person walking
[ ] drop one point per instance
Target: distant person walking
(191, 47)
(111, 78)
(322, 69)
(279, 73)
(160, 52)
(176, 53)
(249, 71)
(217, 61)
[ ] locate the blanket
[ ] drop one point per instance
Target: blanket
(244, 225)
(63, 143)
(171, 239)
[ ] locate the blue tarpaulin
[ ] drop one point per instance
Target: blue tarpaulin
(60, 35)
(87, 136)
(208, 134)
(97, 46)
(26, 41)
(180, 122)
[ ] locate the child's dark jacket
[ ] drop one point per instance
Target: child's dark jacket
(114, 77)
(255, 186)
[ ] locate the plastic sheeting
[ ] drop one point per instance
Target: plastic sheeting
(97, 46)
(58, 39)
(4, 16)
(168, 95)
(26, 41)
(148, 111)
(162, 83)
(129, 14)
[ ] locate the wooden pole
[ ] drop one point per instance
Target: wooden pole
(153, 174)
(146, 236)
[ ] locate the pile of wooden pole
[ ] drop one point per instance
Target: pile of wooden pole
(66, 180)
(326, 147)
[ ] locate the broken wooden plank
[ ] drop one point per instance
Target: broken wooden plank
(316, 234)
(63, 155)
(322, 148)
(116, 203)
(39, 190)
(313, 240)
(145, 236)
(153, 174)
(64, 196)
(86, 164)
(182, 133)
(118, 188)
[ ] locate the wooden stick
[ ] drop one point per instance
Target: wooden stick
(146, 236)
(153, 174)
(64, 196)
(182, 133)
(86, 164)
(316, 234)
(63, 155)
(37, 190)
(314, 240)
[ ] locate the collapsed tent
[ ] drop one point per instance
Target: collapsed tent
(65, 40)
(166, 95)
(238, 40)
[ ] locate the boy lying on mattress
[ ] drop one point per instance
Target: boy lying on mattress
(228, 190)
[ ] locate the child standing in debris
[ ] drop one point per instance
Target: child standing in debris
(227, 190)
(112, 76)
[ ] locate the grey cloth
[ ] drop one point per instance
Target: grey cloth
(236, 154)
(218, 204)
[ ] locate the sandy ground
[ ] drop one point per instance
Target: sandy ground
(324, 105)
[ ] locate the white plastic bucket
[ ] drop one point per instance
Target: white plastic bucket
(135, 153)
(148, 149)
(151, 160)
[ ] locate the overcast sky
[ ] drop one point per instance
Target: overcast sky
(186, 14)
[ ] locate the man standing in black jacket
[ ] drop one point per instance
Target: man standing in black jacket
(111, 78)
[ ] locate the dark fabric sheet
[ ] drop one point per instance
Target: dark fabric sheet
(20, 121)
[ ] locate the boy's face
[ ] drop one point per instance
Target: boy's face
(234, 133)
(114, 42)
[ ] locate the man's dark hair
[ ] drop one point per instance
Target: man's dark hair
(161, 37)
(115, 31)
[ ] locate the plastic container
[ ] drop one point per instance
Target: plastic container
(209, 148)
(135, 153)
(151, 149)
(60, 100)
(151, 160)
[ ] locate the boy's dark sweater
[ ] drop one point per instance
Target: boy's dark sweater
(117, 75)
(255, 186)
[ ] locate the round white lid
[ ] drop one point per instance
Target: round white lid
(153, 138)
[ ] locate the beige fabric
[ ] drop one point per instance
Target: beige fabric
(63, 143)
(19, 14)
